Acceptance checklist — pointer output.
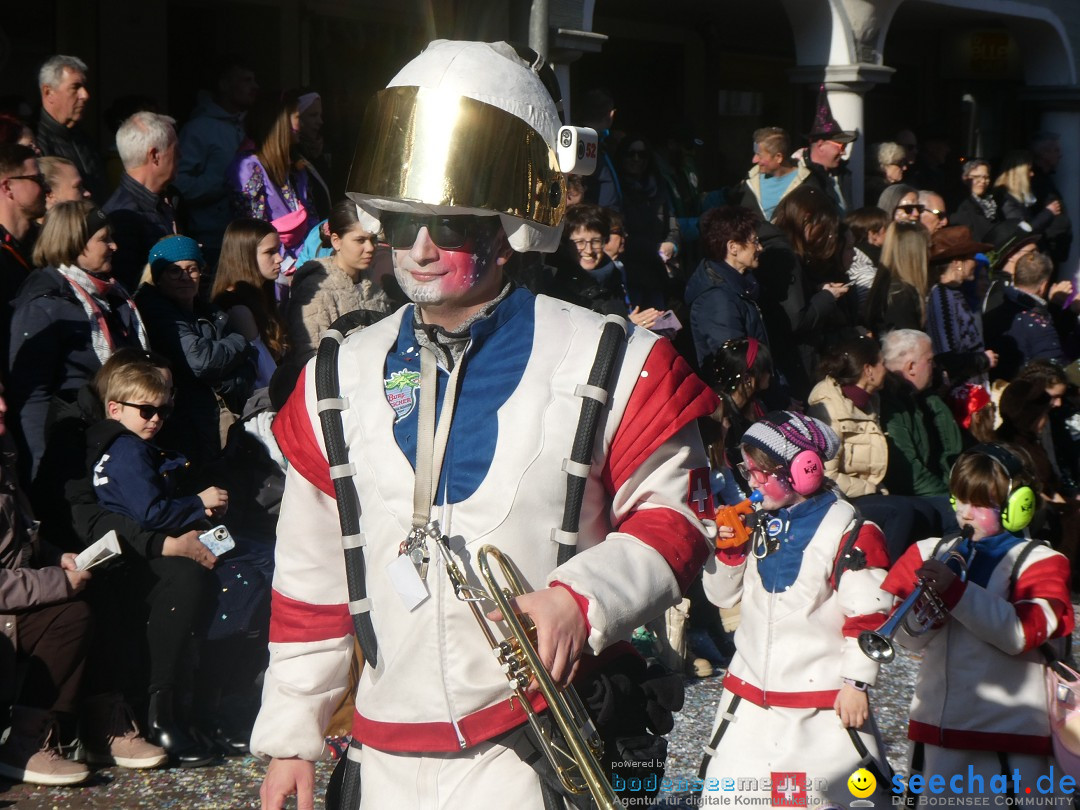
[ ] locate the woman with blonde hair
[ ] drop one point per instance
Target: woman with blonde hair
(69, 317)
(271, 181)
(249, 265)
(1012, 191)
(898, 294)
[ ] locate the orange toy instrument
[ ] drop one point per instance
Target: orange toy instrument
(732, 517)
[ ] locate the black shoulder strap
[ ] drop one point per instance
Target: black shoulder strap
(850, 558)
(594, 398)
(330, 406)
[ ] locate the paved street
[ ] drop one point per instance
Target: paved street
(235, 784)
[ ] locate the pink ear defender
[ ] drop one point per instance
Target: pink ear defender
(806, 472)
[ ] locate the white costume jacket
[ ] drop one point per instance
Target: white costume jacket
(437, 685)
(980, 685)
(798, 636)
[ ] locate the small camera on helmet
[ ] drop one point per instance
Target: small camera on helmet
(577, 150)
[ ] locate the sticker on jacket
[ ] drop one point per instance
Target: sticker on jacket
(401, 389)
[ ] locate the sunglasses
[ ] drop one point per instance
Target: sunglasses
(753, 474)
(35, 178)
(148, 412)
(448, 232)
(911, 208)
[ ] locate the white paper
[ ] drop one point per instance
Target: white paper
(104, 549)
(406, 579)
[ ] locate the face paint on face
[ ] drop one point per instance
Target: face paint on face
(985, 520)
(776, 491)
(429, 274)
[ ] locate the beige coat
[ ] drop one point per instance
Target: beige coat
(859, 467)
(320, 294)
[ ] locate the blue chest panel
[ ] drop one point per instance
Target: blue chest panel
(989, 552)
(495, 363)
(797, 527)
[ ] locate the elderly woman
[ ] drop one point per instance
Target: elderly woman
(979, 210)
(70, 316)
(213, 368)
(891, 166)
(722, 292)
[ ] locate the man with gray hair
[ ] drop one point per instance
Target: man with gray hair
(934, 217)
(138, 210)
(924, 439)
(62, 81)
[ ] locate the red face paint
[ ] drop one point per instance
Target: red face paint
(429, 274)
(776, 491)
(985, 520)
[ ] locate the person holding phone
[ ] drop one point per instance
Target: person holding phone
(133, 477)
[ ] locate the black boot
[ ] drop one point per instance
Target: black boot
(184, 749)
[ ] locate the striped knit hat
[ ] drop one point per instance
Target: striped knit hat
(782, 435)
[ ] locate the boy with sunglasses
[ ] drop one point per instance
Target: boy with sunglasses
(132, 476)
(807, 582)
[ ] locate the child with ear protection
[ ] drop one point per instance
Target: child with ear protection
(980, 696)
(808, 582)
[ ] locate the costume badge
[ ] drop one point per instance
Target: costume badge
(401, 390)
(774, 526)
(699, 494)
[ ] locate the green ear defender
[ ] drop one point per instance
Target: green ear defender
(1019, 507)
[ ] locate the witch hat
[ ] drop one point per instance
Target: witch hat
(825, 127)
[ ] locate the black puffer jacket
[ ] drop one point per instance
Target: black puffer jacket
(205, 359)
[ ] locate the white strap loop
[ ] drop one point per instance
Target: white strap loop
(592, 392)
(355, 753)
(352, 541)
(342, 471)
(360, 606)
(332, 404)
(575, 468)
(564, 538)
(334, 335)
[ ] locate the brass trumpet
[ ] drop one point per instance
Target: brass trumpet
(574, 748)
(919, 612)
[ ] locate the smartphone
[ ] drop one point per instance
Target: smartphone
(218, 540)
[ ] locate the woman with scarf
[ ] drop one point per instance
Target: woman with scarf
(979, 210)
(70, 316)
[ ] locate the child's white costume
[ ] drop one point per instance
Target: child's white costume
(806, 593)
(980, 697)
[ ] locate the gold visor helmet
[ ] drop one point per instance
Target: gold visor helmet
(440, 150)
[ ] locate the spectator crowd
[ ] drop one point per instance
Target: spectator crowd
(153, 325)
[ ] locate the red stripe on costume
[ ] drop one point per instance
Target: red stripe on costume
(425, 737)
(666, 396)
(296, 437)
(901, 579)
(676, 539)
(871, 542)
(853, 625)
(786, 700)
(294, 621)
(978, 740)
(1044, 579)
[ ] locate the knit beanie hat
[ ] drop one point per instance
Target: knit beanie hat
(782, 435)
(173, 249)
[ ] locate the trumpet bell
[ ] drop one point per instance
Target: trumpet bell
(876, 646)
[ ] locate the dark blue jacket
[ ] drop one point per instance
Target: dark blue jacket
(133, 477)
(723, 306)
(1019, 329)
(51, 353)
(138, 218)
